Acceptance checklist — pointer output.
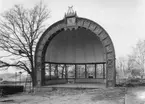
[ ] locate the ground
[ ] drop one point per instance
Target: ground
(134, 95)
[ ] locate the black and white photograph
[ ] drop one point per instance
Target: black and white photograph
(72, 51)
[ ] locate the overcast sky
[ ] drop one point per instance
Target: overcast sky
(124, 20)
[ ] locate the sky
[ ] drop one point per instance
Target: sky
(124, 20)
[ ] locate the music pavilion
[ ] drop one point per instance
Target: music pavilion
(75, 50)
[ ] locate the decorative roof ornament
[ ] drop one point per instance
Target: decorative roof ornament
(70, 12)
(70, 19)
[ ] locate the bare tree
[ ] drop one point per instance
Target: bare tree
(137, 58)
(121, 66)
(20, 30)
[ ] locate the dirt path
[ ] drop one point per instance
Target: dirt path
(69, 96)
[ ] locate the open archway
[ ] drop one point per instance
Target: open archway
(75, 41)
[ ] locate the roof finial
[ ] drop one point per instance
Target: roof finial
(70, 9)
(70, 12)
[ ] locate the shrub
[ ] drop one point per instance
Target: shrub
(11, 89)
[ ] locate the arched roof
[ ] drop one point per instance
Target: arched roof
(71, 23)
(75, 46)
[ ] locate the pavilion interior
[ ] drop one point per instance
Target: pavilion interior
(75, 56)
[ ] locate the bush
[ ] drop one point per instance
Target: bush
(52, 77)
(131, 83)
(11, 89)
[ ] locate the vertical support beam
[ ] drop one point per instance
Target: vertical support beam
(65, 71)
(56, 68)
(38, 76)
(50, 70)
(75, 71)
(114, 71)
(85, 71)
(43, 74)
(62, 71)
(110, 73)
(95, 70)
(103, 71)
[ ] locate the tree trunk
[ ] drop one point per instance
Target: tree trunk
(33, 77)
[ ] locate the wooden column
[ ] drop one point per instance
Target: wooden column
(95, 71)
(43, 74)
(56, 68)
(65, 71)
(75, 71)
(85, 71)
(62, 71)
(103, 71)
(50, 70)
